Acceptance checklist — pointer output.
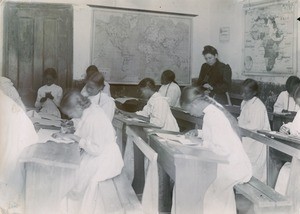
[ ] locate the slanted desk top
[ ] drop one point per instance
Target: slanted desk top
(53, 154)
(193, 170)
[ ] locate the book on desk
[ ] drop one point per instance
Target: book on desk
(280, 136)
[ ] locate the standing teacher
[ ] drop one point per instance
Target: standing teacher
(215, 76)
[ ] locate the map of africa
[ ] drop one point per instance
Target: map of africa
(269, 44)
(130, 45)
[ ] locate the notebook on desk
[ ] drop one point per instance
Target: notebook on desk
(280, 136)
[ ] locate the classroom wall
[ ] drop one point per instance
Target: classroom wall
(230, 13)
(211, 15)
(83, 18)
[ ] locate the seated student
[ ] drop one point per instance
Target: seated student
(292, 128)
(220, 133)
(89, 72)
(157, 107)
(49, 96)
(16, 133)
(254, 116)
(8, 88)
(285, 101)
(170, 88)
(100, 156)
(94, 86)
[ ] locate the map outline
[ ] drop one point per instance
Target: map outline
(174, 17)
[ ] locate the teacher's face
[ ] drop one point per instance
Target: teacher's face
(210, 59)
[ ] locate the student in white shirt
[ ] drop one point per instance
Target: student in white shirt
(49, 96)
(94, 87)
(89, 72)
(157, 108)
(220, 133)
(100, 155)
(170, 88)
(292, 128)
(285, 101)
(16, 133)
(254, 117)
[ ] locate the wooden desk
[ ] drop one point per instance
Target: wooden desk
(193, 170)
(185, 120)
(50, 170)
(287, 147)
(120, 122)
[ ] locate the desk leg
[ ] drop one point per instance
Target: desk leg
(293, 189)
(193, 178)
(45, 188)
(165, 191)
(275, 160)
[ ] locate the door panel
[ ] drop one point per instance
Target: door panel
(37, 36)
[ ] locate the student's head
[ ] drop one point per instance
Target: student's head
(195, 101)
(73, 104)
(210, 54)
(167, 77)
(146, 87)
(95, 83)
(290, 83)
(90, 71)
(249, 89)
(50, 75)
(296, 93)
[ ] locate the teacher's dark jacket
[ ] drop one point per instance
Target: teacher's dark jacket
(219, 77)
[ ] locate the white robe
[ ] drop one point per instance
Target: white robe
(284, 174)
(8, 88)
(49, 106)
(101, 158)
(285, 102)
(158, 109)
(254, 116)
(172, 92)
(16, 133)
(221, 138)
(106, 102)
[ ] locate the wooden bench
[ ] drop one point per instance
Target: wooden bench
(117, 195)
(265, 199)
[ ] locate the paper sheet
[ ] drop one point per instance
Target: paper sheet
(46, 134)
(177, 138)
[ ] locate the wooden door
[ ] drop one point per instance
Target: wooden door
(36, 37)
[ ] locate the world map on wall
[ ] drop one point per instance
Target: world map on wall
(130, 45)
(269, 45)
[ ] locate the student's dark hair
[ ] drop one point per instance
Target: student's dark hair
(97, 78)
(252, 85)
(187, 99)
(296, 91)
(147, 82)
(209, 50)
(92, 69)
(291, 82)
(73, 98)
(50, 71)
(189, 93)
(169, 76)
